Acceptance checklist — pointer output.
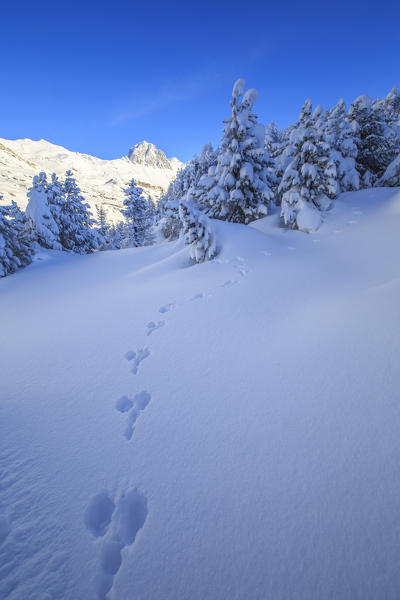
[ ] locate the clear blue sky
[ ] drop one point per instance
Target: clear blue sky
(98, 77)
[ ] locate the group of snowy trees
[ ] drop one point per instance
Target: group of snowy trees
(58, 218)
(16, 239)
(300, 169)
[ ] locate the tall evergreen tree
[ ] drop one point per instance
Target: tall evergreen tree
(375, 147)
(340, 137)
(242, 181)
(77, 232)
(136, 214)
(40, 213)
(309, 181)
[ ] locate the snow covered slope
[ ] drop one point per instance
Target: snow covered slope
(102, 181)
(224, 431)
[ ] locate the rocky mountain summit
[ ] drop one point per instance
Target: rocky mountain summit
(145, 153)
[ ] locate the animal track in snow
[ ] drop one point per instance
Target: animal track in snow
(135, 406)
(166, 308)
(128, 518)
(229, 282)
(130, 355)
(151, 326)
(198, 296)
(140, 355)
(123, 404)
(98, 514)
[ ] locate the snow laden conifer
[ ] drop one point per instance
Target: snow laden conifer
(391, 177)
(136, 214)
(16, 240)
(198, 232)
(339, 135)
(76, 222)
(42, 219)
(103, 228)
(241, 184)
(375, 143)
(192, 179)
(309, 181)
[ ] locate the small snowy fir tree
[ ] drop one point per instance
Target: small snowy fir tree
(376, 147)
(274, 140)
(340, 136)
(241, 184)
(309, 181)
(199, 233)
(103, 229)
(136, 214)
(16, 240)
(76, 223)
(41, 217)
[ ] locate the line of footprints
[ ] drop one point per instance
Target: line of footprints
(118, 524)
(117, 521)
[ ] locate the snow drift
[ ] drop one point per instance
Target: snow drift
(226, 430)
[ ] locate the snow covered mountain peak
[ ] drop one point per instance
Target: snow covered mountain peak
(101, 181)
(145, 153)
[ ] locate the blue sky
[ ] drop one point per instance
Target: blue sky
(99, 77)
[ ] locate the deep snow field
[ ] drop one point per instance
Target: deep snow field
(228, 431)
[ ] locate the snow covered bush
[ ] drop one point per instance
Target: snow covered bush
(16, 240)
(240, 187)
(309, 181)
(199, 233)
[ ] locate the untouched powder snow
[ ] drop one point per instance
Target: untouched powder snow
(227, 430)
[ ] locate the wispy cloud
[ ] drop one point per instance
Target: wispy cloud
(167, 93)
(173, 91)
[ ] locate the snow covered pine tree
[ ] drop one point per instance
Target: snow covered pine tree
(77, 233)
(309, 181)
(136, 214)
(199, 233)
(40, 214)
(240, 187)
(339, 134)
(376, 141)
(16, 240)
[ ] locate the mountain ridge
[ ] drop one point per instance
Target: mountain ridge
(102, 181)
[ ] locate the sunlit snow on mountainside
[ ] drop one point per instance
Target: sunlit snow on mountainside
(102, 181)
